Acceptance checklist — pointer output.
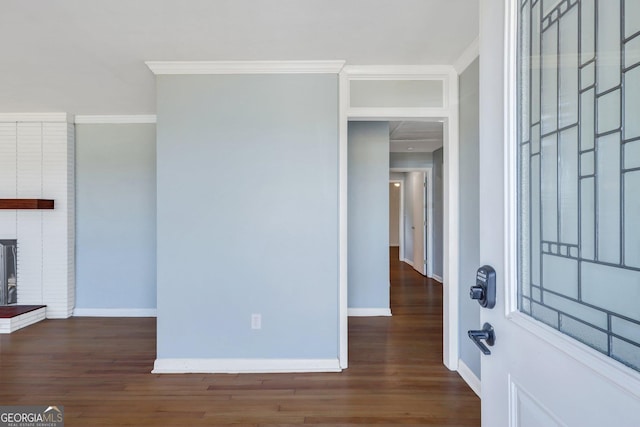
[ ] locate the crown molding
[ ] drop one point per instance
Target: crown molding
(36, 117)
(115, 119)
(245, 67)
(468, 56)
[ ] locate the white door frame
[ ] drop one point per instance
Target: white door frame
(428, 229)
(401, 218)
(448, 113)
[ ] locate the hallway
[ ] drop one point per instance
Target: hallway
(98, 369)
(407, 348)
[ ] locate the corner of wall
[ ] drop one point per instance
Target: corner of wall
(470, 378)
(468, 56)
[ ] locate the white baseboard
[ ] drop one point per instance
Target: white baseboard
(368, 312)
(115, 312)
(235, 366)
(57, 313)
(437, 278)
(407, 261)
(469, 377)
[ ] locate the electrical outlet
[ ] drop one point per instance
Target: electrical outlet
(256, 321)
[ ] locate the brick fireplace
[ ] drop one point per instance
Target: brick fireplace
(37, 162)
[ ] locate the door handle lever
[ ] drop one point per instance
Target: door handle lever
(487, 334)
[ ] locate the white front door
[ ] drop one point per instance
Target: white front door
(560, 211)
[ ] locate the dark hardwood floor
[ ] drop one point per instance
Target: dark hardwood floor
(99, 369)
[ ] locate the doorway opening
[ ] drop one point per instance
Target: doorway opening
(438, 86)
(416, 162)
(391, 200)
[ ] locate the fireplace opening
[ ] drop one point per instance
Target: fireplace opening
(8, 272)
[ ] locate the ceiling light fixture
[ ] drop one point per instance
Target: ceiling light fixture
(397, 184)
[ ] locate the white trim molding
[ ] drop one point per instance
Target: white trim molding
(36, 117)
(470, 378)
(451, 241)
(436, 278)
(115, 312)
(511, 187)
(235, 366)
(429, 249)
(369, 312)
(245, 67)
(343, 220)
(397, 72)
(394, 113)
(116, 119)
(468, 56)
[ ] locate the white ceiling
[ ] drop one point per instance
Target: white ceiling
(87, 56)
(415, 137)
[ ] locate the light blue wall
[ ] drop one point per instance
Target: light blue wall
(438, 209)
(247, 216)
(368, 214)
(116, 216)
(410, 160)
(469, 213)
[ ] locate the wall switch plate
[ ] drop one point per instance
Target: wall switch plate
(256, 321)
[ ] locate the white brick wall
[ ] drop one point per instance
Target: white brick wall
(37, 161)
(8, 177)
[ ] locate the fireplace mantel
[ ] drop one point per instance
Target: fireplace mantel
(26, 204)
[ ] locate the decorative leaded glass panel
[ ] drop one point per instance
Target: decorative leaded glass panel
(579, 170)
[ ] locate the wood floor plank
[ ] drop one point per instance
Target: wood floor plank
(99, 369)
